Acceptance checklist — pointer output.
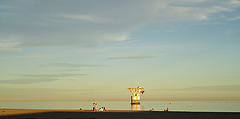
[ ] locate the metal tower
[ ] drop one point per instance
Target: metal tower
(136, 92)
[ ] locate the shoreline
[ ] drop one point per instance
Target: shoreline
(7, 112)
(111, 114)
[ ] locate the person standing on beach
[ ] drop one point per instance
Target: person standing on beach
(94, 107)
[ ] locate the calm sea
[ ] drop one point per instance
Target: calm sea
(212, 106)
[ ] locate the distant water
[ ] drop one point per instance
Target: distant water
(206, 106)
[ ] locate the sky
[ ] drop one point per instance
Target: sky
(94, 50)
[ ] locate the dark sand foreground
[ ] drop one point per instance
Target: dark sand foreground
(111, 114)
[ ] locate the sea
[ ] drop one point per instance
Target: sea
(190, 106)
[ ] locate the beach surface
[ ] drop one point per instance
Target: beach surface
(111, 114)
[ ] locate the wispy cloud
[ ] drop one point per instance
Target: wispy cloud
(27, 81)
(234, 18)
(50, 75)
(87, 24)
(87, 18)
(39, 78)
(9, 45)
(210, 88)
(116, 37)
(217, 87)
(35, 57)
(235, 2)
(69, 65)
(130, 57)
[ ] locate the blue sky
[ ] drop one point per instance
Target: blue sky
(95, 50)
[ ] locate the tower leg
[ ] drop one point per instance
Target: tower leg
(135, 99)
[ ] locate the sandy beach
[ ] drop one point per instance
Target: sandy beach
(111, 114)
(7, 112)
